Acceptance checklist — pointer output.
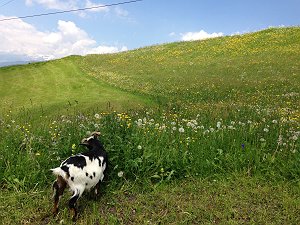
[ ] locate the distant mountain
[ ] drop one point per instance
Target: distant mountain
(9, 59)
(2, 64)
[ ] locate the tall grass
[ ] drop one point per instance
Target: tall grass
(154, 145)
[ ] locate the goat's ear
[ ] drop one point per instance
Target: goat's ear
(84, 141)
(96, 134)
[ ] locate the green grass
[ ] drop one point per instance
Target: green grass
(189, 113)
(243, 200)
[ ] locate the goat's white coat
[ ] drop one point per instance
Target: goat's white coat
(81, 181)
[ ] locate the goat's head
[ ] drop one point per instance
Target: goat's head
(91, 141)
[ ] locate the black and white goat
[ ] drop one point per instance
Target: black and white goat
(80, 172)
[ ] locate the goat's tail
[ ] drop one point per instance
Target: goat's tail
(58, 172)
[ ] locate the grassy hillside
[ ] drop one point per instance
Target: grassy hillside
(256, 67)
(221, 115)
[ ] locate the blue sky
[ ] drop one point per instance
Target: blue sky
(130, 26)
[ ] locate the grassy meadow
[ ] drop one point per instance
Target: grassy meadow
(213, 123)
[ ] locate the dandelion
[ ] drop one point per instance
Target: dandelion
(294, 138)
(181, 130)
(174, 128)
(120, 174)
(279, 141)
(139, 122)
(97, 116)
(262, 140)
(139, 147)
(189, 124)
(162, 127)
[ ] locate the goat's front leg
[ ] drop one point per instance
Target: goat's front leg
(97, 189)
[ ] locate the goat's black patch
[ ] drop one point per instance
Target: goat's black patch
(94, 174)
(87, 174)
(72, 178)
(86, 184)
(91, 177)
(77, 160)
(66, 169)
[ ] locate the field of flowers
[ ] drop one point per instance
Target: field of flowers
(157, 145)
(224, 106)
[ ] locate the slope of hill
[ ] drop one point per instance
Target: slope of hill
(222, 117)
(251, 66)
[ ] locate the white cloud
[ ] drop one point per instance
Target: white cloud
(54, 4)
(78, 4)
(121, 12)
(172, 34)
(89, 4)
(201, 35)
(20, 38)
(69, 5)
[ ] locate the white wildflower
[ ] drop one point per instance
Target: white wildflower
(266, 130)
(97, 116)
(295, 137)
(279, 141)
(139, 147)
(162, 127)
(120, 174)
(218, 124)
(241, 123)
(181, 129)
(139, 122)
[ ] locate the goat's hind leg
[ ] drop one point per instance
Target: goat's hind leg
(72, 204)
(58, 186)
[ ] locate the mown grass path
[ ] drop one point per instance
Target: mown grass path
(59, 85)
